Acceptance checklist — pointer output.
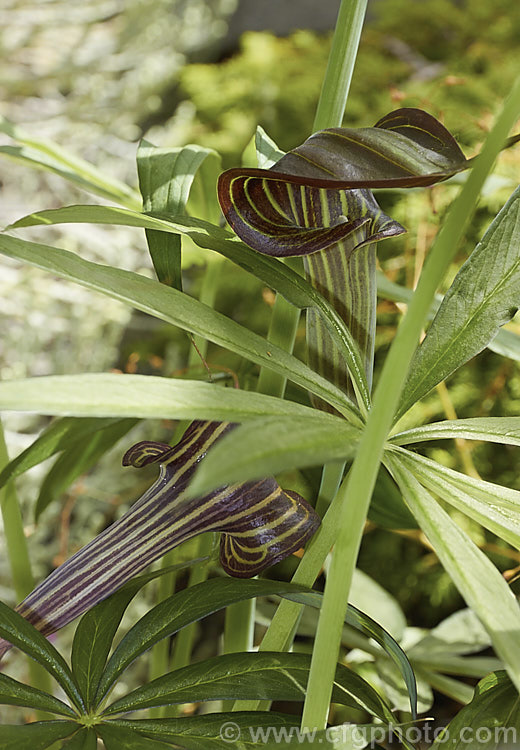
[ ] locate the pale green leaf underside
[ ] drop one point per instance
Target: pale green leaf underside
(505, 430)
(484, 296)
(274, 273)
(477, 579)
(267, 446)
(495, 507)
(145, 396)
(176, 308)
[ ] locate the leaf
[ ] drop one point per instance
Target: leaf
(37, 736)
(77, 460)
(492, 718)
(123, 738)
(477, 579)
(216, 731)
(493, 506)
(17, 631)
(506, 342)
(14, 693)
(165, 180)
(459, 633)
(271, 445)
(267, 152)
(387, 508)
(97, 628)
(59, 435)
(178, 309)
(505, 430)
(43, 153)
(202, 201)
(146, 396)
(484, 296)
(376, 602)
(85, 739)
(250, 676)
(369, 627)
(179, 610)
(275, 274)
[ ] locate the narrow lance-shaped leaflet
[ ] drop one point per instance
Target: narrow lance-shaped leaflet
(260, 523)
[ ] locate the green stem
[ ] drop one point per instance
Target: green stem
(356, 490)
(282, 332)
(340, 67)
(19, 562)
(184, 642)
(239, 633)
(284, 623)
(15, 541)
(208, 293)
(185, 639)
(329, 113)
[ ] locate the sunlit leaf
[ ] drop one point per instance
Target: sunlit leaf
(484, 296)
(178, 309)
(477, 579)
(270, 445)
(43, 153)
(146, 396)
(492, 718)
(497, 508)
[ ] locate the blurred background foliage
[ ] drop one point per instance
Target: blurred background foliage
(97, 76)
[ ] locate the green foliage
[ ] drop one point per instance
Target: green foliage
(388, 481)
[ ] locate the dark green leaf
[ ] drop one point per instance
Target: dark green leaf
(180, 610)
(251, 676)
(369, 627)
(78, 459)
(17, 631)
(484, 296)
(85, 739)
(123, 738)
(387, 507)
(213, 731)
(178, 309)
(14, 693)
(61, 434)
(491, 721)
(97, 628)
(37, 736)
